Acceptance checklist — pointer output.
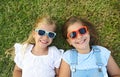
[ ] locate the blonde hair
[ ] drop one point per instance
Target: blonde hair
(43, 20)
(47, 20)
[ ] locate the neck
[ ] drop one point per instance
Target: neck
(84, 51)
(39, 51)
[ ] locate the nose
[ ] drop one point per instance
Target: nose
(79, 35)
(45, 36)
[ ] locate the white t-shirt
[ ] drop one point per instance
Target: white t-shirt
(37, 66)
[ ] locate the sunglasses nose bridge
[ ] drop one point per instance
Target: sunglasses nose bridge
(78, 34)
(46, 35)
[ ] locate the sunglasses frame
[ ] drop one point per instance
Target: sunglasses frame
(46, 33)
(77, 31)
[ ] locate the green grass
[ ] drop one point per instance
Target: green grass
(17, 17)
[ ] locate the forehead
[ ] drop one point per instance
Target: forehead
(46, 27)
(74, 26)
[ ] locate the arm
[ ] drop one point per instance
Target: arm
(64, 69)
(17, 72)
(57, 72)
(113, 69)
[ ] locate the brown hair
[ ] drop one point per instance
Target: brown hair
(90, 26)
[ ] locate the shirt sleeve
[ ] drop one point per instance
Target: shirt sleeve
(18, 55)
(57, 55)
(105, 53)
(66, 57)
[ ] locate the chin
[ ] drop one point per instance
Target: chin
(82, 47)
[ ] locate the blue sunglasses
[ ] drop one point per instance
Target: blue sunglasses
(43, 32)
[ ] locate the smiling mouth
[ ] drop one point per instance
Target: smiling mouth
(43, 42)
(81, 42)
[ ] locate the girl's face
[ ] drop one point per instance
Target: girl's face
(42, 39)
(78, 36)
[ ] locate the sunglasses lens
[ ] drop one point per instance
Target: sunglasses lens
(82, 31)
(41, 32)
(73, 35)
(51, 35)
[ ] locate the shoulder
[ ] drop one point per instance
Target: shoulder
(55, 54)
(22, 47)
(68, 52)
(18, 47)
(104, 52)
(102, 49)
(55, 50)
(66, 55)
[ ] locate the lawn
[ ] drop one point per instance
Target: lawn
(18, 16)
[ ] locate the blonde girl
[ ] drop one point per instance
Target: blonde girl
(35, 57)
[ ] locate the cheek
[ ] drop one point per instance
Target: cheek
(88, 35)
(36, 36)
(88, 38)
(69, 41)
(51, 40)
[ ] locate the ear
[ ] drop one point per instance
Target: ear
(68, 40)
